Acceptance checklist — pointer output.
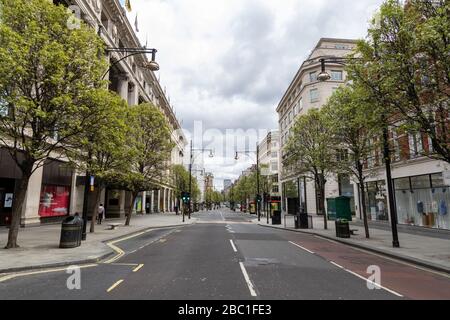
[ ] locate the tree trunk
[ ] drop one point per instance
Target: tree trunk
(130, 209)
(362, 191)
(321, 185)
(96, 206)
(19, 198)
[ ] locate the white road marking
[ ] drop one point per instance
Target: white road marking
(367, 280)
(234, 247)
(301, 247)
(115, 285)
(247, 280)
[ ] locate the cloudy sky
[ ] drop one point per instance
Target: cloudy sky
(227, 63)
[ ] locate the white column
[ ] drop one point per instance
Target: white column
(133, 96)
(30, 214)
(165, 200)
(152, 206)
(144, 202)
(159, 201)
(123, 88)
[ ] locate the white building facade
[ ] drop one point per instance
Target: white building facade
(55, 190)
(304, 93)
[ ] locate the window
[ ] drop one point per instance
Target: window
(274, 154)
(295, 109)
(415, 144)
(337, 75)
(3, 108)
(421, 182)
(402, 184)
(341, 46)
(314, 95)
(312, 76)
(274, 166)
(290, 117)
(437, 180)
(275, 178)
(275, 189)
(396, 145)
(300, 105)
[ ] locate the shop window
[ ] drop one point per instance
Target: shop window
(420, 182)
(402, 184)
(54, 201)
(437, 180)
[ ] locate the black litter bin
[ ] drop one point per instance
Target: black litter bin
(301, 221)
(276, 217)
(342, 228)
(71, 232)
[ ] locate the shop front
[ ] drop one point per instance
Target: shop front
(294, 196)
(376, 201)
(55, 191)
(423, 201)
(9, 174)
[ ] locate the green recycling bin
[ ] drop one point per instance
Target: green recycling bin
(339, 208)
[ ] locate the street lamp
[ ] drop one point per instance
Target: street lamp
(191, 163)
(151, 65)
(325, 76)
(258, 196)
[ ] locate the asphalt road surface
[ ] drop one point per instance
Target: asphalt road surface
(226, 257)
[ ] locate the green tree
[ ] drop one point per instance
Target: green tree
(151, 138)
(103, 151)
(311, 152)
(48, 74)
(405, 64)
(354, 119)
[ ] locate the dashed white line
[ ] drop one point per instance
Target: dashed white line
(234, 247)
(247, 280)
(303, 248)
(367, 280)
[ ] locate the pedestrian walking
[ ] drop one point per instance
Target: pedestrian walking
(101, 213)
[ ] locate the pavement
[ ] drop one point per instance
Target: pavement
(427, 249)
(225, 256)
(39, 246)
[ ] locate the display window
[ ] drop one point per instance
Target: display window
(376, 201)
(54, 201)
(423, 202)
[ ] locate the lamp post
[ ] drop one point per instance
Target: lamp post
(325, 76)
(258, 196)
(191, 163)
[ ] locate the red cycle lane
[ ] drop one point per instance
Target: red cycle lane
(407, 280)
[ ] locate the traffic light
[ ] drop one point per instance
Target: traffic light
(259, 198)
(186, 197)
